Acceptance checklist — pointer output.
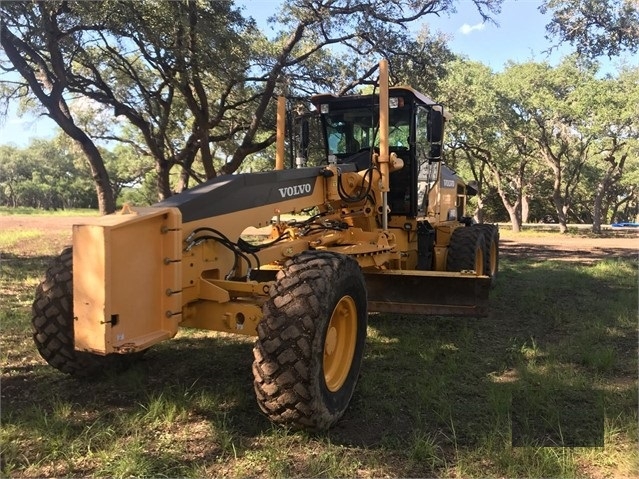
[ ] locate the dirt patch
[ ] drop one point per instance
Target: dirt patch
(570, 248)
(43, 223)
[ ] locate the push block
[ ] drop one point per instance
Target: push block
(127, 280)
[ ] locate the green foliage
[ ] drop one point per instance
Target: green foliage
(54, 175)
(603, 27)
(45, 175)
(544, 140)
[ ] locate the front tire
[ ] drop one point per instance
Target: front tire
(311, 340)
(52, 322)
(466, 250)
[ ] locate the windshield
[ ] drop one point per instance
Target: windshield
(350, 131)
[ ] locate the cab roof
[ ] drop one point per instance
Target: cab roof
(397, 91)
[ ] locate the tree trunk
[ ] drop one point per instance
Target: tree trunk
(104, 192)
(164, 184)
(479, 213)
(525, 208)
(597, 210)
(183, 182)
(613, 173)
(514, 211)
(515, 221)
(558, 201)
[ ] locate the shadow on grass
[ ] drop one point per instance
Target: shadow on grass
(180, 369)
(18, 267)
(557, 335)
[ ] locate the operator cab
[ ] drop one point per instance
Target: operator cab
(351, 135)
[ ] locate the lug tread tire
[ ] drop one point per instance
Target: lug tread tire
(52, 324)
(288, 354)
(464, 243)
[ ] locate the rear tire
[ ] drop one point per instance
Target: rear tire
(311, 340)
(52, 323)
(466, 250)
(491, 253)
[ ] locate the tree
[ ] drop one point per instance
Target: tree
(622, 201)
(467, 92)
(595, 27)
(195, 78)
(481, 140)
(54, 174)
(546, 106)
(580, 126)
(42, 65)
(541, 136)
(612, 112)
(151, 63)
(60, 182)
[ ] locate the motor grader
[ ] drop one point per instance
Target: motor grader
(378, 227)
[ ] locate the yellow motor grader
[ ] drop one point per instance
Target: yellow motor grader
(383, 231)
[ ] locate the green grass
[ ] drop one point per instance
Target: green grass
(11, 237)
(437, 397)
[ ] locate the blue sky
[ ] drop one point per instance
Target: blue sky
(519, 36)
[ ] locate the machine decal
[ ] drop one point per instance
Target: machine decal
(297, 190)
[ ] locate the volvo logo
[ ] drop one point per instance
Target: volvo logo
(296, 190)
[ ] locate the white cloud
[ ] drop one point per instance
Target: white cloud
(466, 29)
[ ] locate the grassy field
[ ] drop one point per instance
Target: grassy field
(546, 386)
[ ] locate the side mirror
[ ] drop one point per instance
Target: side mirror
(435, 134)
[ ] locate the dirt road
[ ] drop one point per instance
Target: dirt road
(570, 248)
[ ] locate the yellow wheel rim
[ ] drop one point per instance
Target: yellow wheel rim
(479, 262)
(339, 346)
(493, 258)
